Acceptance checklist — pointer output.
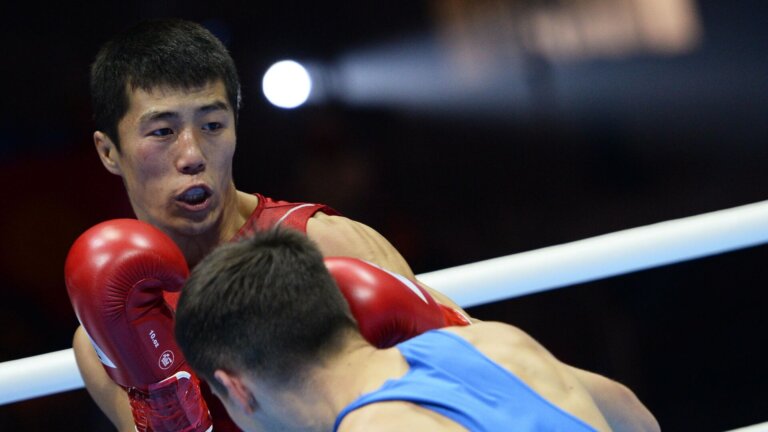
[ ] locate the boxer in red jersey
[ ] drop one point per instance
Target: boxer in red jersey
(165, 97)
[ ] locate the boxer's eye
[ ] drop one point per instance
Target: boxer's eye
(161, 132)
(212, 126)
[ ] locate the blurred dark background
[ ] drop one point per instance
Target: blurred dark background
(540, 122)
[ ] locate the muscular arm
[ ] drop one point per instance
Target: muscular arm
(110, 397)
(619, 405)
(340, 236)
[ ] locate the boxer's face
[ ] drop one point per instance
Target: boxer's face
(175, 156)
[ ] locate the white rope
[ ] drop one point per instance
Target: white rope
(40, 375)
(500, 278)
(762, 427)
(603, 256)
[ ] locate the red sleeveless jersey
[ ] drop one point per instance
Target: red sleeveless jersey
(270, 213)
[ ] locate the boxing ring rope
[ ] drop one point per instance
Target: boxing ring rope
(39, 375)
(501, 278)
(603, 256)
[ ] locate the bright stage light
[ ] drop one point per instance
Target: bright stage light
(287, 84)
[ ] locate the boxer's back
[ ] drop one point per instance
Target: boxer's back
(484, 377)
(524, 357)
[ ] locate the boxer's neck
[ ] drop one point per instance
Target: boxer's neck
(359, 368)
(237, 208)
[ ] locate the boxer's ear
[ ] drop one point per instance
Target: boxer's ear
(238, 391)
(108, 152)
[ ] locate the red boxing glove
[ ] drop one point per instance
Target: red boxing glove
(388, 307)
(116, 274)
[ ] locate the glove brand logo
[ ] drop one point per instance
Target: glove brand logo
(166, 359)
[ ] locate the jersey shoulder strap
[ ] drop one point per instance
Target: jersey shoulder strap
(270, 213)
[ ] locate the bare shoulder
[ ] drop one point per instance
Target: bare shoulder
(396, 416)
(512, 348)
(525, 358)
(491, 333)
(341, 236)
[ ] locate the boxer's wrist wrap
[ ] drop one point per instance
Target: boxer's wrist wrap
(174, 404)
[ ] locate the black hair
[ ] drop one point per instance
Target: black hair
(172, 53)
(266, 305)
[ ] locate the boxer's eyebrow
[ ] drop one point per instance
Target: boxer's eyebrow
(166, 115)
(215, 106)
(157, 115)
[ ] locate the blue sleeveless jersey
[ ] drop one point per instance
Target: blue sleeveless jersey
(449, 376)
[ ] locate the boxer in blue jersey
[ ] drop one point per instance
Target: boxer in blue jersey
(266, 324)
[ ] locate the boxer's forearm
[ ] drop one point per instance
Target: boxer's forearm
(109, 397)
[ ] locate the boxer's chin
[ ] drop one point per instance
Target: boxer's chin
(191, 220)
(195, 207)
